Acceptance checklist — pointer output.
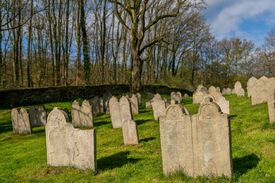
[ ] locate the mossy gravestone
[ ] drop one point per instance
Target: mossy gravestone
(67, 146)
(196, 145)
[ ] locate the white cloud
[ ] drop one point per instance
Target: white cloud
(226, 16)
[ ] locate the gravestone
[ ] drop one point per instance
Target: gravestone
(224, 90)
(95, 103)
(186, 97)
(228, 91)
(271, 107)
(38, 117)
(165, 99)
(224, 105)
(115, 112)
(212, 141)
(157, 96)
(206, 96)
(139, 99)
(212, 88)
(176, 97)
(134, 104)
(218, 89)
(240, 92)
(237, 85)
(204, 90)
(250, 83)
(197, 97)
(233, 91)
(130, 132)
(270, 86)
(65, 110)
(259, 92)
(199, 88)
(216, 95)
(151, 96)
(158, 108)
(21, 121)
(125, 109)
(82, 116)
(264, 78)
(148, 104)
(101, 105)
(176, 140)
(179, 93)
(67, 146)
(106, 98)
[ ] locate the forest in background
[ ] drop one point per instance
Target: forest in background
(93, 42)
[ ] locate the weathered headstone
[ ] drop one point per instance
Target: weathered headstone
(240, 92)
(21, 121)
(211, 141)
(204, 90)
(115, 112)
(176, 97)
(130, 132)
(224, 105)
(212, 88)
(259, 92)
(218, 89)
(148, 104)
(264, 78)
(207, 96)
(82, 116)
(101, 105)
(179, 93)
(158, 108)
(95, 103)
(186, 97)
(38, 117)
(199, 88)
(134, 104)
(271, 107)
(228, 91)
(224, 90)
(106, 98)
(125, 109)
(216, 95)
(250, 83)
(176, 140)
(139, 99)
(197, 97)
(237, 85)
(270, 86)
(67, 146)
(233, 91)
(157, 96)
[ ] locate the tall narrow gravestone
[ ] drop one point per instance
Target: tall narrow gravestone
(130, 132)
(134, 104)
(115, 112)
(95, 103)
(21, 121)
(259, 92)
(67, 146)
(125, 109)
(198, 145)
(82, 116)
(158, 108)
(250, 83)
(139, 99)
(38, 117)
(271, 107)
(237, 86)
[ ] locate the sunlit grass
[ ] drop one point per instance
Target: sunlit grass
(23, 158)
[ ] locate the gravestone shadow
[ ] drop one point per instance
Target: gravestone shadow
(115, 161)
(233, 116)
(6, 127)
(147, 139)
(101, 123)
(243, 164)
(139, 122)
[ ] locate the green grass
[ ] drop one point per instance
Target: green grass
(23, 158)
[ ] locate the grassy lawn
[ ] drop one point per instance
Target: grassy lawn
(23, 158)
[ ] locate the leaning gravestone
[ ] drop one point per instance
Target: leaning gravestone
(130, 132)
(240, 92)
(38, 117)
(197, 97)
(224, 91)
(271, 107)
(67, 146)
(212, 88)
(115, 112)
(82, 116)
(139, 99)
(176, 97)
(250, 83)
(125, 109)
(21, 121)
(212, 141)
(134, 104)
(224, 105)
(186, 97)
(237, 85)
(158, 108)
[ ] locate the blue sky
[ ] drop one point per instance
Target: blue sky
(246, 19)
